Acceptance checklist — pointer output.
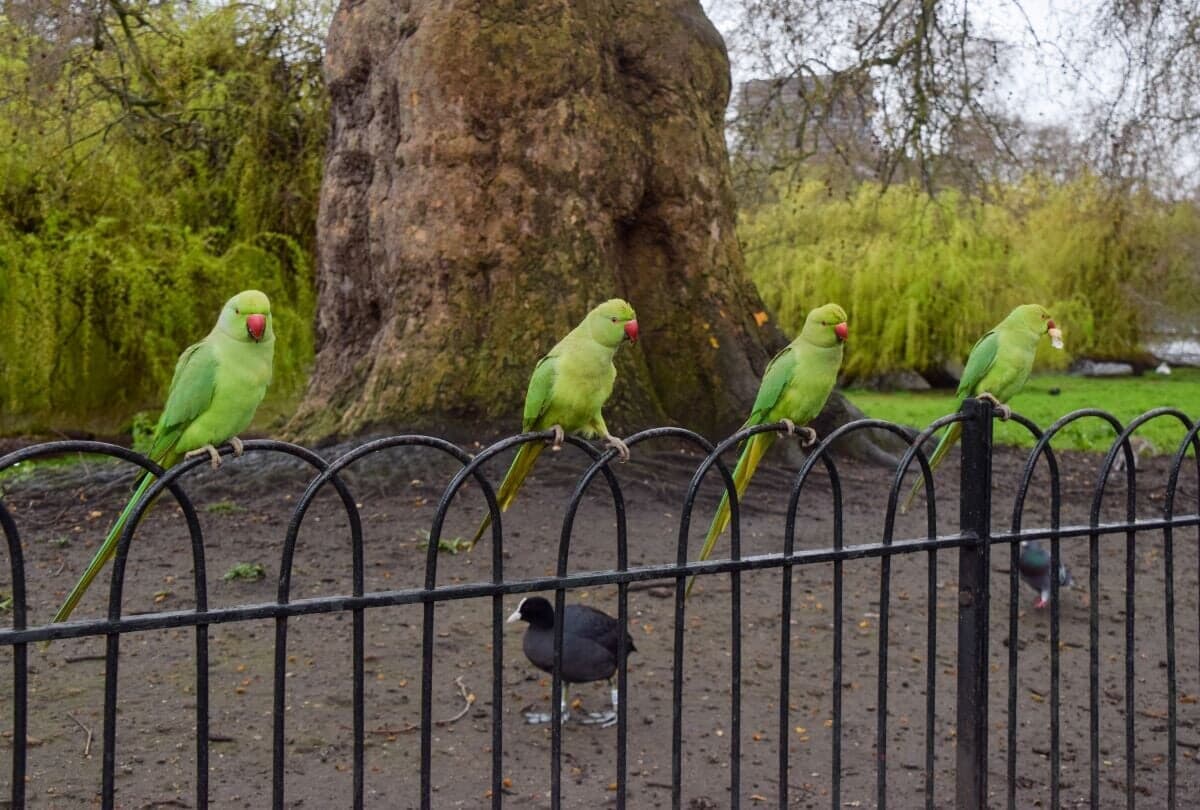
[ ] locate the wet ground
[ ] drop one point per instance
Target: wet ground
(63, 514)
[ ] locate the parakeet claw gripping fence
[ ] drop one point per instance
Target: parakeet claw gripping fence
(973, 540)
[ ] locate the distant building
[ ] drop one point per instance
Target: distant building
(825, 118)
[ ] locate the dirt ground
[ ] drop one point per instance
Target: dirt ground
(64, 513)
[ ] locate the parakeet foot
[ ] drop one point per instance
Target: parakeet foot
(621, 447)
(1002, 410)
(559, 437)
(238, 447)
(212, 454)
(808, 436)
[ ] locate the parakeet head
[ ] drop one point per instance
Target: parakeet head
(826, 326)
(247, 316)
(612, 322)
(1036, 319)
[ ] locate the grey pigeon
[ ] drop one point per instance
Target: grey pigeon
(1034, 565)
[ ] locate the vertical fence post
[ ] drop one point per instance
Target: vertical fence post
(975, 511)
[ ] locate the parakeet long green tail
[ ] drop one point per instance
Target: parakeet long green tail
(756, 447)
(107, 549)
(513, 479)
(949, 439)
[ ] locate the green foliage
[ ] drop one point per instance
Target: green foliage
(144, 178)
(142, 430)
(450, 545)
(922, 278)
(224, 508)
(1125, 397)
(245, 572)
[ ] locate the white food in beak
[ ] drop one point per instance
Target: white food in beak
(1056, 338)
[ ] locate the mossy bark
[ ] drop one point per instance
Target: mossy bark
(494, 170)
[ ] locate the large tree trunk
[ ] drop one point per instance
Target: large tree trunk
(494, 170)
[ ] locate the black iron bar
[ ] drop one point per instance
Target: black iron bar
(20, 708)
(975, 518)
(444, 593)
(1189, 441)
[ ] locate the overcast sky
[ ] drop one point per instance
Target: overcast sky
(1045, 83)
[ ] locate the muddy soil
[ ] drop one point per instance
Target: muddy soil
(63, 514)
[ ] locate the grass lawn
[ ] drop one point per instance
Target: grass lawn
(1124, 397)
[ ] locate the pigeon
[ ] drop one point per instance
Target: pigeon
(589, 653)
(1034, 565)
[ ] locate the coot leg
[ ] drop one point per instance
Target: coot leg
(604, 719)
(537, 718)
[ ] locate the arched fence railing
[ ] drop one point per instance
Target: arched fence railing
(973, 537)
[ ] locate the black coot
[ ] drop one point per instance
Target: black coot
(590, 640)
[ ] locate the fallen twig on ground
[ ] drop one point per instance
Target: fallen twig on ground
(87, 746)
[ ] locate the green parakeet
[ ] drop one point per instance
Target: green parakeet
(568, 388)
(218, 385)
(997, 368)
(794, 388)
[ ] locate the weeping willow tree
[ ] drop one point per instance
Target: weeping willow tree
(157, 157)
(923, 277)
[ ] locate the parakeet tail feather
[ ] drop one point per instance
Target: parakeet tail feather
(107, 549)
(752, 454)
(949, 439)
(513, 479)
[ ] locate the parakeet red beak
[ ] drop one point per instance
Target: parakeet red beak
(256, 325)
(631, 331)
(842, 331)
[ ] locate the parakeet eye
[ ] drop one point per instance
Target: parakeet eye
(237, 311)
(614, 320)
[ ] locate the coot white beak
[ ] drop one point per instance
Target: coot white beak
(516, 614)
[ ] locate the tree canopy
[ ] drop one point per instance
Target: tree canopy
(954, 88)
(158, 156)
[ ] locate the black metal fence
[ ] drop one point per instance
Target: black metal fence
(974, 539)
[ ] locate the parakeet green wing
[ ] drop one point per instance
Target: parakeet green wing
(537, 396)
(190, 395)
(979, 363)
(776, 378)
